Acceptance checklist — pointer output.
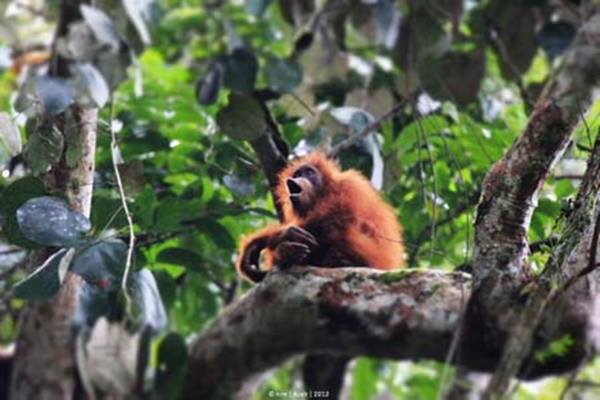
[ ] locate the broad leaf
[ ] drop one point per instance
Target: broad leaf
(135, 10)
(555, 37)
(172, 366)
(44, 146)
(44, 94)
(49, 221)
(257, 7)
(101, 263)
(283, 76)
(102, 25)
(186, 258)
(91, 90)
(11, 199)
(241, 68)
(9, 134)
(243, 118)
(152, 313)
(45, 281)
(208, 88)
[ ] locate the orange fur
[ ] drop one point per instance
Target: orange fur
(354, 219)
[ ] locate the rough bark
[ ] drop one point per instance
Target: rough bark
(571, 261)
(511, 188)
(509, 197)
(408, 315)
(44, 365)
(272, 152)
(31, 377)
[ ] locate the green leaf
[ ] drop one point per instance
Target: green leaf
(144, 207)
(217, 233)
(564, 188)
(243, 118)
(107, 213)
(241, 68)
(102, 25)
(257, 7)
(45, 281)
(101, 263)
(172, 366)
(283, 76)
(11, 199)
(169, 214)
(424, 386)
(43, 148)
(49, 221)
(364, 382)
(146, 297)
(95, 302)
(138, 12)
(91, 90)
(9, 134)
(186, 258)
(555, 349)
(207, 89)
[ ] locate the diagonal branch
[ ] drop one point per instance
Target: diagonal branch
(511, 188)
(574, 259)
(272, 152)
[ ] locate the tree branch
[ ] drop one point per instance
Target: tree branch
(573, 260)
(406, 314)
(272, 152)
(511, 188)
(353, 311)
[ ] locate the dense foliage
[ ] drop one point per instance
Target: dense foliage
(184, 91)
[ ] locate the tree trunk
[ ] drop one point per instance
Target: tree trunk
(44, 365)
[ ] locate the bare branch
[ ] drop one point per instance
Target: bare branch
(367, 130)
(272, 151)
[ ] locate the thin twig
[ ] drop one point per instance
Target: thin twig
(114, 148)
(11, 250)
(303, 104)
(345, 144)
(568, 177)
(435, 198)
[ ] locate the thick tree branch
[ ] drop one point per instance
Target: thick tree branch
(350, 311)
(511, 188)
(347, 311)
(574, 258)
